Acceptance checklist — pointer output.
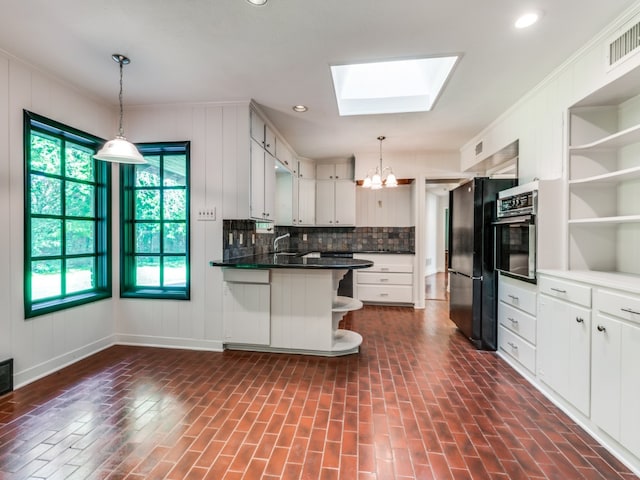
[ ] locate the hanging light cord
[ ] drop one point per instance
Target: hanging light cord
(381, 138)
(121, 62)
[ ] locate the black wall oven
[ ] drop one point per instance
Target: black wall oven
(515, 233)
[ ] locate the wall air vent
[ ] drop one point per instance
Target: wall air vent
(478, 148)
(624, 46)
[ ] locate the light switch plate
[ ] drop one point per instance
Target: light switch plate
(207, 214)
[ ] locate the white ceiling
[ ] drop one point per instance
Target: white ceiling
(279, 54)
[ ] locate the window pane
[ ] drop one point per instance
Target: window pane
(45, 153)
(175, 271)
(80, 237)
(147, 205)
(79, 162)
(148, 271)
(79, 199)
(175, 238)
(46, 237)
(45, 195)
(175, 170)
(175, 204)
(46, 279)
(148, 175)
(80, 274)
(147, 238)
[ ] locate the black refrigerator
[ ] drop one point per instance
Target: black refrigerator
(473, 281)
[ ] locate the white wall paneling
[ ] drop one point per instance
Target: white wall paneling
(46, 343)
(386, 207)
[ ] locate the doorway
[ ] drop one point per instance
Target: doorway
(436, 221)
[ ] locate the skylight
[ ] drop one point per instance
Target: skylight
(395, 86)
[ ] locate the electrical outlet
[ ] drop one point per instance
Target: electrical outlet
(253, 239)
(304, 237)
(240, 238)
(230, 238)
(207, 214)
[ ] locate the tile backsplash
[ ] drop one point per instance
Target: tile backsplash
(322, 239)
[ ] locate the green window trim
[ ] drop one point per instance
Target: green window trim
(67, 244)
(154, 223)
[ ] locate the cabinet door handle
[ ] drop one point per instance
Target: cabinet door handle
(513, 297)
(601, 328)
(268, 145)
(579, 319)
(384, 279)
(559, 290)
(628, 310)
(384, 269)
(513, 321)
(513, 345)
(384, 294)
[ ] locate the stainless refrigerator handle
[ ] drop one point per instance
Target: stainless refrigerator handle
(481, 278)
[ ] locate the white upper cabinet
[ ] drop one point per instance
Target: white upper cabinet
(306, 169)
(263, 183)
(335, 203)
(334, 171)
(262, 133)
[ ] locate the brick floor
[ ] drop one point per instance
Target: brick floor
(416, 403)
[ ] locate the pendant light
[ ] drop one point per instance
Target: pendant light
(119, 150)
(376, 181)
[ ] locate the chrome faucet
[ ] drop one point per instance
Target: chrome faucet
(275, 242)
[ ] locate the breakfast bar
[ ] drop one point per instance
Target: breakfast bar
(288, 303)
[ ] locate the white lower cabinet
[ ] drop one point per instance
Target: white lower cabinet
(564, 347)
(246, 304)
(589, 353)
(616, 357)
(389, 280)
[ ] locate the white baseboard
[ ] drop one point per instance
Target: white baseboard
(43, 369)
(168, 342)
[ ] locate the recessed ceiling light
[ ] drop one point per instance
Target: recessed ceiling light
(527, 19)
(300, 108)
(395, 86)
(257, 2)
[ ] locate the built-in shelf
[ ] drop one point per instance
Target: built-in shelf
(345, 304)
(604, 221)
(611, 178)
(611, 142)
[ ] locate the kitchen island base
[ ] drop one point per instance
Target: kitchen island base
(305, 312)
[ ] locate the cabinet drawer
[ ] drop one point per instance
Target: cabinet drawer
(517, 321)
(565, 290)
(522, 297)
(618, 304)
(245, 275)
(385, 278)
(385, 267)
(387, 262)
(517, 348)
(385, 293)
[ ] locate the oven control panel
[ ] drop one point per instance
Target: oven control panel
(519, 204)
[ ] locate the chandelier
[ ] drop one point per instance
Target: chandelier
(378, 179)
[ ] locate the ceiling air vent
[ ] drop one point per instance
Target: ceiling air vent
(624, 46)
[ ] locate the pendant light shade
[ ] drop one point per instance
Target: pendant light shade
(120, 150)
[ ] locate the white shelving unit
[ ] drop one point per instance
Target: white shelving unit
(604, 182)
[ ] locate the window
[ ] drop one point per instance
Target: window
(154, 223)
(67, 254)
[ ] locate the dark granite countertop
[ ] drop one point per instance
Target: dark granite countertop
(292, 260)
